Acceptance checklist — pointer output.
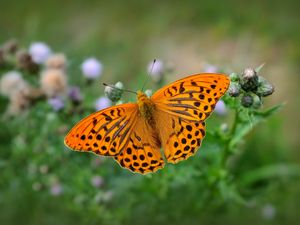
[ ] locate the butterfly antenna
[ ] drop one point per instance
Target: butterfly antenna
(149, 73)
(112, 86)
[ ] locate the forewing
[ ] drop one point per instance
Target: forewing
(192, 98)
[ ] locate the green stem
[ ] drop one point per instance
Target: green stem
(226, 152)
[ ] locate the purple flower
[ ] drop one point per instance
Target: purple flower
(220, 108)
(208, 68)
(91, 68)
(39, 52)
(57, 103)
(156, 70)
(97, 181)
(74, 94)
(56, 189)
(102, 103)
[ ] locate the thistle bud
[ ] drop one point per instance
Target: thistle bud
(256, 102)
(11, 46)
(234, 89)
(264, 87)
(24, 61)
(247, 100)
(249, 81)
(234, 77)
(114, 94)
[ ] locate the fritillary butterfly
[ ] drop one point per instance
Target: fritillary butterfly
(173, 119)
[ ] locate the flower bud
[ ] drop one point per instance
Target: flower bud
(234, 89)
(256, 102)
(25, 62)
(114, 94)
(10, 47)
(149, 92)
(264, 87)
(247, 100)
(249, 81)
(75, 95)
(234, 77)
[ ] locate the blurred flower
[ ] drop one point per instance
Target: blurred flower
(44, 169)
(97, 181)
(102, 103)
(25, 62)
(264, 87)
(114, 94)
(39, 52)
(56, 61)
(249, 80)
(75, 95)
(268, 212)
(56, 189)
(97, 162)
(53, 82)
(149, 92)
(107, 196)
(247, 100)
(208, 68)
(11, 46)
(91, 68)
(224, 127)
(220, 108)
(36, 186)
(234, 89)
(12, 82)
(57, 103)
(156, 70)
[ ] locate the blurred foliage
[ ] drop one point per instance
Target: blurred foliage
(245, 171)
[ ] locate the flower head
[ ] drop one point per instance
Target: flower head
(114, 94)
(56, 61)
(53, 82)
(220, 108)
(249, 80)
(57, 103)
(75, 95)
(56, 189)
(247, 100)
(156, 70)
(102, 103)
(91, 68)
(39, 52)
(97, 181)
(209, 68)
(12, 82)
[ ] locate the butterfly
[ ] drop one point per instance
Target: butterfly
(172, 119)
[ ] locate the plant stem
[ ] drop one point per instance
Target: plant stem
(227, 152)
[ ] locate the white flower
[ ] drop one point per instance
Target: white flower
(102, 103)
(220, 108)
(91, 68)
(208, 68)
(156, 70)
(39, 52)
(12, 82)
(268, 212)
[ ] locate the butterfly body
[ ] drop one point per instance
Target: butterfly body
(172, 119)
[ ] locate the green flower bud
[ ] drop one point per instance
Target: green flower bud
(256, 101)
(114, 94)
(247, 100)
(249, 81)
(234, 77)
(149, 92)
(264, 87)
(234, 89)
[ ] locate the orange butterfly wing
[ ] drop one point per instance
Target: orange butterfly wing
(181, 109)
(104, 132)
